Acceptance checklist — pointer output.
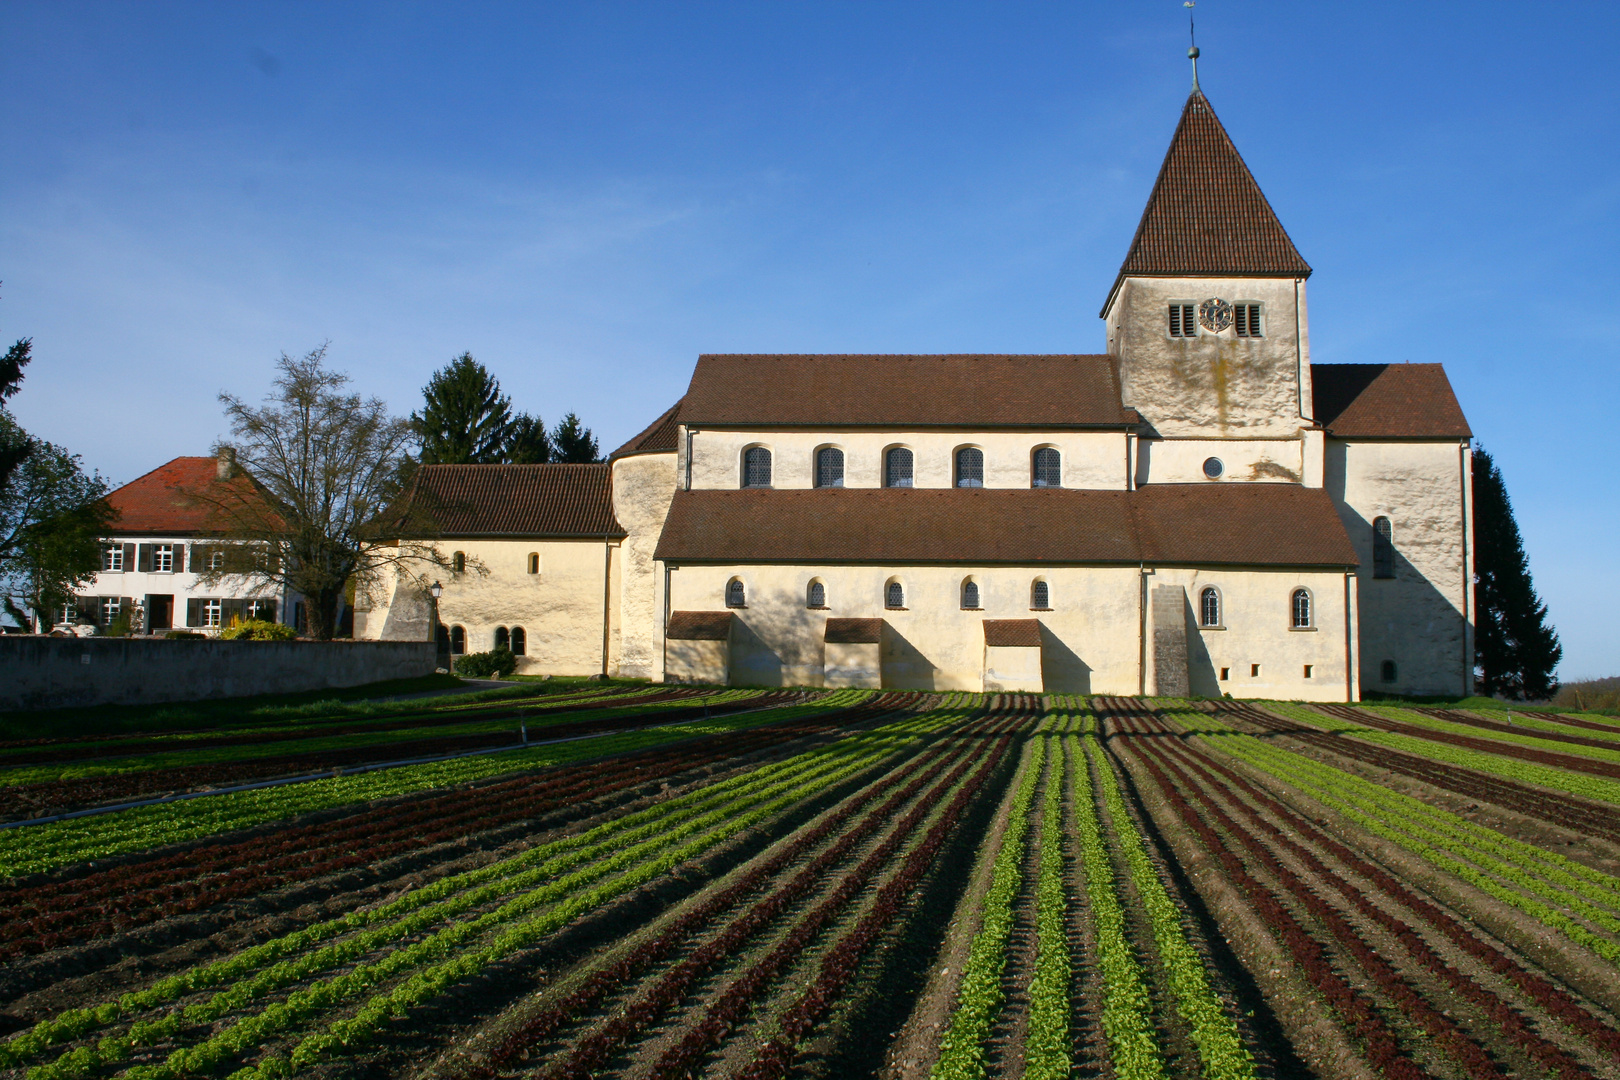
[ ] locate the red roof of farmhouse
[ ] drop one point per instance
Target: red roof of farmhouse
(957, 390)
(1231, 524)
(183, 497)
(506, 500)
(1206, 216)
(1387, 401)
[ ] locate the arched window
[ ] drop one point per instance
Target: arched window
(1048, 469)
(895, 595)
(1386, 671)
(970, 467)
(829, 467)
(735, 596)
(458, 562)
(1040, 595)
(970, 595)
(816, 596)
(1383, 548)
(756, 467)
(520, 641)
(1209, 606)
(534, 562)
(897, 468)
(1301, 607)
(503, 640)
(458, 640)
(442, 638)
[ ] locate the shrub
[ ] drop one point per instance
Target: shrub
(481, 665)
(259, 630)
(185, 635)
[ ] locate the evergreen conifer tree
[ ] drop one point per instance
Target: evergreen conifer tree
(573, 443)
(465, 419)
(1515, 648)
(527, 443)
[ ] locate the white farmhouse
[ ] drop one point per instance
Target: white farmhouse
(169, 533)
(1199, 509)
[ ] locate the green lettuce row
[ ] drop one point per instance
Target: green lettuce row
(1046, 1042)
(1511, 738)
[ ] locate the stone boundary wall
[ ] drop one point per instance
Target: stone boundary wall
(56, 673)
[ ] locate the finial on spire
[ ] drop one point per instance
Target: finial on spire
(1192, 53)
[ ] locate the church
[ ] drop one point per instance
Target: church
(1198, 509)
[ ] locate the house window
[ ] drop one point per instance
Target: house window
(216, 559)
(1040, 596)
(212, 610)
(970, 467)
(163, 559)
(1048, 471)
(503, 640)
(756, 467)
(735, 596)
(458, 562)
(1246, 320)
(458, 639)
(1383, 548)
(1209, 606)
(817, 597)
(112, 558)
(829, 467)
(1386, 671)
(897, 465)
(534, 562)
(520, 641)
(1183, 321)
(1302, 608)
(111, 608)
(970, 595)
(260, 609)
(895, 595)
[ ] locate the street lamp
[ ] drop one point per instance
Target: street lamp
(437, 590)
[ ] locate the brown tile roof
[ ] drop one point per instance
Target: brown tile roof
(1206, 216)
(854, 631)
(657, 438)
(183, 498)
(1391, 401)
(1203, 524)
(1012, 633)
(977, 391)
(699, 626)
(506, 500)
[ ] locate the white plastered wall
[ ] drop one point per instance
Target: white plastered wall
(1181, 461)
(1090, 459)
(643, 486)
(1422, 618)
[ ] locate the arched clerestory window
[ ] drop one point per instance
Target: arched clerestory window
(897, 467)
(756, 467)
(736, 596)
(829, 467)
(1047, 468)
(816, 597)
(1209, 606)
(970, 467)
(1383, 548)
(894, 596)
(534, 562)
(970, 595)
(458, 562)
(520, 641)
(1040, 595)
(1300, 608)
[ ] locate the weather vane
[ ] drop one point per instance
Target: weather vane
(1192, 35)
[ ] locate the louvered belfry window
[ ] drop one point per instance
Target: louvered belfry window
(829, 467)
(757, 467)
(970, 467)
(1383, 548)
(1246, 320)
(897, 468)
(1183, 320)
(1048, 468)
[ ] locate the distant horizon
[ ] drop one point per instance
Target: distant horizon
(586, 199)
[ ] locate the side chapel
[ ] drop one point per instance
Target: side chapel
(1197, 510)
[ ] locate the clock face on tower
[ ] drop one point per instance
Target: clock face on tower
(1215, 315)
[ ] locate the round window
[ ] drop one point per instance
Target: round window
(1213, 468)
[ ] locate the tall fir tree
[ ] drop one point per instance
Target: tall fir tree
(572, 442)
(1514, 646)
(465, 419)
(527, 443)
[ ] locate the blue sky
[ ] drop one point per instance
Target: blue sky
(588, 196)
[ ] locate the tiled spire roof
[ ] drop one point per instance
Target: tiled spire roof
(1207, 217)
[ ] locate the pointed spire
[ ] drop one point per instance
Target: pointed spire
(1207, 217)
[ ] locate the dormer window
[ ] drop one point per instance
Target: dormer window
(1246, 320)
(1183, 320)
